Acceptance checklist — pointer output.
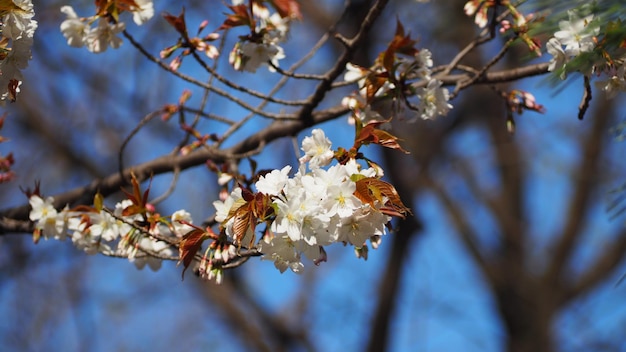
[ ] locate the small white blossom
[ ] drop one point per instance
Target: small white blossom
(433, 100)
(365, 223)
(223, 207)
(181, 229)
(273, 183)
(577, 34)
(362, 110)
(615, 83)
(73, 29)
(355, 73)
(18, 26)
(18, 23)
(105, 226)
(150, 245)
(46, 218)
(281, 250)
(144, 12)
(83, 239)
(316, 149)
(559, 59)
(249, 56)
(104, 35)
(224, 178)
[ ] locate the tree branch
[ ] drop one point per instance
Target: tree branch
(396, 260)
(609, 259)
(278, 129)
(583, 186)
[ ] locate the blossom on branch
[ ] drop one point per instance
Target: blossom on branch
(316, 149)
(104, 35)
(577, 34)
(267, 31)
(304, 213)
(18, 29)
(433, 100)
(143, 12)
(250, 56)
(73, 28)
(79, 31)
(616, 81)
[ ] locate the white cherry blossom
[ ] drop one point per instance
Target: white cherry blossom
(577, 34)
(144, 12)
(433, 100)
(181, 229)
(151, 245)
(273, 183)
(104, 35)
(253, 55)
(316, 149)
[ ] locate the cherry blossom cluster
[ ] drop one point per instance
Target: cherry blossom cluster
(102, 30)
(267, 31)
(139, 237)
(576, 47)
(17, 29)
(402, 73)
(576, 36)
(318, 206)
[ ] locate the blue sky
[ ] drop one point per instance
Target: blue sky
(443, 305)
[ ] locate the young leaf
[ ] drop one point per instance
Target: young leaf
(240, 17)
(287, 8)
(373, 82)
(178, 22)
(371, 134)
(244, 219)
(189, 246)
(139, 200)
(371, 190)
(98, 201)
(401, 43)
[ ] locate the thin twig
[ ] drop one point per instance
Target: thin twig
(586, 99)
(196, 82)
(120, 154)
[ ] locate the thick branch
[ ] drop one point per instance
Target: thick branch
(511, 196)
(390, 283)
(579, 204)
(278, 129)
(609, 260)
(168, 163)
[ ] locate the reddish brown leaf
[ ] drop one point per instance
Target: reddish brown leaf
(262, 206)
(246, 194)
(113, 8)
(371, 134)
(178, 22)
(189, 246)
(244, 219)
(287, 8)
(371, 190)
(373, 83)
(138, 199)
(240, 17)
(400, 44)
(248, 215)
